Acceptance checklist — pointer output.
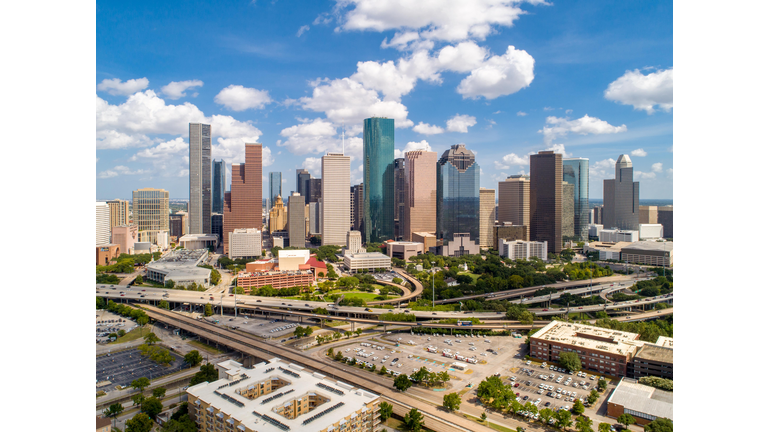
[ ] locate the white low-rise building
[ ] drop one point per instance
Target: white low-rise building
(651, 231)
(181, 267)
(594, 230)
(244, 243)
(368, 261)
(292, 259)
(617, 235)
(520, 249)
(198, 241)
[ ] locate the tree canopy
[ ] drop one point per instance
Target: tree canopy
(413, 420)
(139, 423)
(385, 411)
(452, 401)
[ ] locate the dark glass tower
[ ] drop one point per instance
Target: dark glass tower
(547, 199)
(458, 194)
(219, 186)
(275, 187)
(378, 179)
(399, 197)
(199, 178)
(302, 184)
(576, 172)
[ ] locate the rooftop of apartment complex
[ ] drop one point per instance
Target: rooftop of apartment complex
(655, 246)
(241, 396)
(642, 398)
(664, 341)
(590, 337)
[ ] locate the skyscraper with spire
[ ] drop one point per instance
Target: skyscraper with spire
(621, 198)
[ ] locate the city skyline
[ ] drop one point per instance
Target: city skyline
(298, 81)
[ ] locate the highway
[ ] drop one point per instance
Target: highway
(434, 418)
(408, 295)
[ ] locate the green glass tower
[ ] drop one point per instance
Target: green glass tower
(378, 179)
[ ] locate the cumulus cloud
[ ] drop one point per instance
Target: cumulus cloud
(522, 114)
(239, 98)
(317, 136)
(499, 76)
(460, 123)
(639, 152)
(117, 87)
(176, 89)
(396, 79)
(604, 169)
(303, 29)
(657, 167)
(427, 129)
(313, 165)
(411, 146)
(509, 161)
(120, 170)
(586, 125)
(643, 92)
(640, 175)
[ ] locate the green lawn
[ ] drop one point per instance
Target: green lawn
(133, 335)
(472, 275)
(491, 425)
(365, 296)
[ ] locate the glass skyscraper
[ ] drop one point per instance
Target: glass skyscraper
(378, 179)
(576, 172)
(199, 178)
(302, 183)
(275, 187)
(458, 194)
(219, 186)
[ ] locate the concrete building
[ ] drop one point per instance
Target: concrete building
(507, 231)
(428, 239)
(218, 187)
(458, 193)
(487, 217)
(119, 214)
(515, 202)
(314, 218)
(150, 212)
(335, 199)
(217, 226)
(404, 250)
(297, 224)
(279, 239)
(525, 250)
(199, 178)
(242, 204)
(616, 235)
(644, 403)
(102, 223)
(367, 261)
(180, 266)
(653, 253)
(621, 197)
(547, 199)
(596, 216)
(125, 236)
(649, 214)
(576, 173)
(292, 259)
(651, 231)
(278, 216)
(568, 215)
(594, 230)
(420, 193)
(378, 179)
(600, 350)
(461, 244)
(198, 241)
(653, 360)
(606, 250)
(103, 424)
(244, 243)
(399, 168)
(277, 279)
(354, 242)
(176, 225)
(277, 396)
(665, 219)
(106, 253)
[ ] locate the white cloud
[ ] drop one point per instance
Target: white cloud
(670, 172)
(657, 167)
(116, 87)
(510, 160)
(548, 108)
(639, 175)
(174, 148)
(558, 148)
(583, 126)
(568, 111)
(313, 165)
(643, 92)
(522, 114)
(460, 123)
(266, 156)
(491, 123)
(239, 98)
(411, 146)
(175, 89)
(395, 80)
(604, 169)
(499, 76)
(317, 136)
(427, 129)
(302, 30)
(120, 170)
(639, 152)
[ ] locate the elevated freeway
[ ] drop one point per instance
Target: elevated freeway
(408, 295)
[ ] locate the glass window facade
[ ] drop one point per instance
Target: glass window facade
(275, 187)
(378, 179)
(458, 194)
(219, 186)
(576, 172)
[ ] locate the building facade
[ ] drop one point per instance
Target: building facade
(576, 172)
(651, 231)
(199, 178)
(649, 214)
(652, 253)
(275, 186)
(525, 250)
(244, 243)
(615, 235)
(487, 217)
(665, 219)
(621, 197)
(296, 222)
(458, 193)
(420, 193)
(106, 253)
(219, 186)
(102, 223)
(181, 267)
(507, 231)
(370, 261)
(150, 211)
(125, 236)
(242, 204)
(644, 403)
(357, 206)
(399, 198)
(315, 189)
(354, 242)
(302, 183)
(461, 244)
(568, 216)
(404, 250)
(547, 199)
(335, 199)
(314, 218)
(119, 214)
(515, 202)
(378, 179)
(278, 216)
(217, 226)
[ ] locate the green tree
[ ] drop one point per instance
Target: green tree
(383, 370)
(413, 420)
(348, 334)
(137, 399)
(141, 422)
(142, 321)
(626, 420)
(207, 373)
(339, 356)
(151, 338)
(158, 392)
(545, 414)
(170, 284)
(451, 402)
(114, 410)
(584, 424)
(151, 407)
(193, 358)
(385, 411)
(100, 303)
(164, 305)
(602, 384)
(578, 407)
(140, 384)
(659, 425)
(593, 396)
(359, 331)
(570, 360)
(483, 417)
(563, 419)
(402, 382)
(121, 333)
(208, 310)
(139, 280)
(604, 427)
(329, 353)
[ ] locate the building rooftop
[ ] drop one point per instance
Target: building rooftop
(664, 341)
(655, 353)
(368, 255)
(182, 264)
(301, 253)
(590, 337)
(193, 237)
(246, 231)
(616, 246)
(642, 398)
(259, 413)
(651, 246)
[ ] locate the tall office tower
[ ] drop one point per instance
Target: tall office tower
(487, 219)
(242, 204)
(568, 216)
(103, 232)
(150, 212)
(275, 186)
(665, 219)
(352, 208)
(399, 198)
(118, 212)
(576, 172)
(357, 206)
(278, 216)
(621, 198)
(219, 186)
(315, 189)
(649, 214)
(597, 215)
(199, 178)
(314, 218)
(420, 193)
(176, 225)
(217, 225)
(335, 199)
(515, 202)
(302, 183)
(296, 223)
(378, 179)
(547, 199)
(458, 194)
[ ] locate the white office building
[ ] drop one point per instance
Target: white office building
(244, 243)
(354, 243)
(525, 250)
(368, 261)
(335, 195)
(594, 230)
(102, 224)
(617, 235)
(651, 231)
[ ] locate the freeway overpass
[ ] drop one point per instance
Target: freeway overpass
(408, 295)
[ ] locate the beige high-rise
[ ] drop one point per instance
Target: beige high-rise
(487, 219)
(150, 211)
(420, 193)
(515, 201)
(335, 199)
(278, 218)
(118, 212)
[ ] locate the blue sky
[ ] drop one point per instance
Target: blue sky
(586, 78)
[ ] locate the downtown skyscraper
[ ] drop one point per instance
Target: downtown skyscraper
(576, 172)
(275, 187)
(621, 198)
(547, 199)
(302, 183)
(378, 179)
(219, 186)
(458, 194)
(199, 178)
(420, 193)
(242, 204)
(334, 202)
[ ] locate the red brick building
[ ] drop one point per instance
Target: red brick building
(242, 205)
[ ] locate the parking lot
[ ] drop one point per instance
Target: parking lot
(267, 327)
(555, 388)
(120, 368)
(108, 322)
